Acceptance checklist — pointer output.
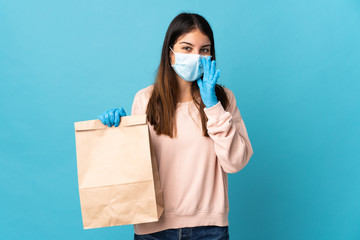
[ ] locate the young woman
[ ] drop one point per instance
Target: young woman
(197, 132)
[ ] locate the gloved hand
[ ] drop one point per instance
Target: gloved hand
(208, 82)
(112, 116)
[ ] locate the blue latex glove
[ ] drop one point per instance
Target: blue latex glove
(112, 116)
(208, 82)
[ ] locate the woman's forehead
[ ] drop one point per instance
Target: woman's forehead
(195, 37)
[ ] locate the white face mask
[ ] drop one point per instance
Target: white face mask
(188, 66)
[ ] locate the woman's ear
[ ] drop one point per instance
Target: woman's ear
(171, 57)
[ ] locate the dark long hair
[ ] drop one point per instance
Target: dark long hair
(164, 98)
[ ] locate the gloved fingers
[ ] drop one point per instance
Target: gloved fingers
(112, 116)
(216, 76)
(122, 112)
(212, 69)
(117, 117)
(208, 67)
(102, 119)
(107, 119)
(205, 64)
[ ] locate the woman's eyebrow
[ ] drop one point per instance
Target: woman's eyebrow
(193, 45)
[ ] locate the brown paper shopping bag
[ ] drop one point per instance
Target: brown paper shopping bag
(117, 173)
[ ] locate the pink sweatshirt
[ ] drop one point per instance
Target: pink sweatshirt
(193, 169)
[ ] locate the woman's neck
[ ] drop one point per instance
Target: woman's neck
(184, 90)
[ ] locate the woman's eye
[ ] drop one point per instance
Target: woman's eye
(205, 50)
(186, 48)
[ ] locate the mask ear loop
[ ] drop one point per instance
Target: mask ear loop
(174, 53)
(171, 49)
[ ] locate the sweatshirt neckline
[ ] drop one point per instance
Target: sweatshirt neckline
(182, 103)
(186, 102)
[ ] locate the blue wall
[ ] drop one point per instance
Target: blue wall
(294, 67)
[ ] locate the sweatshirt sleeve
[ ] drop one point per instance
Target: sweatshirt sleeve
(231, 141)
(136, 108)
(140, 101)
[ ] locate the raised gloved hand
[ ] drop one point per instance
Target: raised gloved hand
(112, 116)
(208, 82)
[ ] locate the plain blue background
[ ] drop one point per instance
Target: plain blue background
(294, 67)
